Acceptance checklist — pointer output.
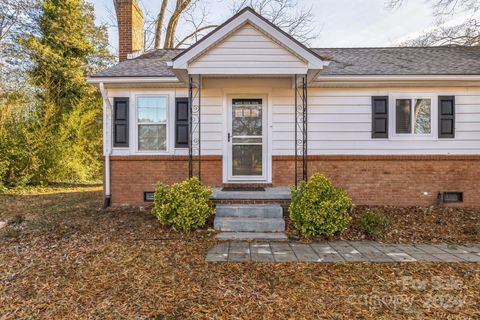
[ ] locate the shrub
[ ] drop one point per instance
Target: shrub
(373, 224)
(184, 206)
(318, 208)
(472, 230)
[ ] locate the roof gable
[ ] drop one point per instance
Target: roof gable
(248, 17)
(246, 51)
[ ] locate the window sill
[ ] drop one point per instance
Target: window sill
(412, 138)
(148, 153)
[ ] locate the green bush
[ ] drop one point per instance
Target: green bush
(373, 224)
(318, 208)
(184, 206)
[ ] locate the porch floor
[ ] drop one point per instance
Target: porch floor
(274, 193)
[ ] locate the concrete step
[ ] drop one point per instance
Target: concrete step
(263, 236)
(250, 211)
(249, 224)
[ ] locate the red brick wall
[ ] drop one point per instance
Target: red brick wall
(370, 180)
(131, 176)
(392, 180)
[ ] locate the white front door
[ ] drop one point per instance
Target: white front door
(246, 139)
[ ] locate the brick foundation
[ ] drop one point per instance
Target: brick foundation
(392, 180)
(370, 180)
(131, 176)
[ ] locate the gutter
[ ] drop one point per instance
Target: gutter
(396, 81)
(108, 148)
(108, 80)
(325, 78)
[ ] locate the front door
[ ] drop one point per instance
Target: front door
(246, 139)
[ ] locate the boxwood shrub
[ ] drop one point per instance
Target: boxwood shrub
(183, 206)
(373, 224)
(318, 208)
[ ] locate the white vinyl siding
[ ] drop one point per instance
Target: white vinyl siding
(247, 51)
(339, 119)
(212, 121)
(339, 122)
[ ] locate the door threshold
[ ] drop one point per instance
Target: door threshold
(240, 188)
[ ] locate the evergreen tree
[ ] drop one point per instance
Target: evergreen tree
(67, 47)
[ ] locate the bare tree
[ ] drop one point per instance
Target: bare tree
(159, 24)
(12, 16)
(197, 17)
(16, 21)
(467, 33)
(286, 14)
(180, 7)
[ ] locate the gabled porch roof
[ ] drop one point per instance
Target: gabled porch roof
(241, 46)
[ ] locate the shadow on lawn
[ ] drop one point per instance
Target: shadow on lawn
(63, 212)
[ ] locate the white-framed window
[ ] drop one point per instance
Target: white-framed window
(152, 119)
(413, 116)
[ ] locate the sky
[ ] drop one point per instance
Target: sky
(339, 23)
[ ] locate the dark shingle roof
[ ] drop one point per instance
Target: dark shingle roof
(150, 64)
(344, 61)
(402, 61)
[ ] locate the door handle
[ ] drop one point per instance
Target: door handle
(228, 136)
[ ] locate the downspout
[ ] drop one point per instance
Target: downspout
(108, 148)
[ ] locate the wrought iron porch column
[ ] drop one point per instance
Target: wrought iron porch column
(301, 128)
(194, 126)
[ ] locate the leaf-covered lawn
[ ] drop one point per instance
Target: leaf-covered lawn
(68, 259)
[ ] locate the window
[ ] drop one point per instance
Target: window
(152, 123)
(413, 116)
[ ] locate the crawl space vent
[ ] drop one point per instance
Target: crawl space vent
(451, 197)
(148, 196)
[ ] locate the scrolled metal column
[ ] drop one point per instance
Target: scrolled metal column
(194, 126)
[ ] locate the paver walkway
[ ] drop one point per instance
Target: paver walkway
(340, 251)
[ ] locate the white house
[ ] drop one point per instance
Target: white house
(248, 105)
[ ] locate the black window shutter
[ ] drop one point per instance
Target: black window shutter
(181, 123)
(446, 117)
(379, 117)
(120, 122)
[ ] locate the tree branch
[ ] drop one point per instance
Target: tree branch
(191, 35)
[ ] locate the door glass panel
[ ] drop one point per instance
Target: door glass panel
(247, 160)
(247, 117)
(247, 137)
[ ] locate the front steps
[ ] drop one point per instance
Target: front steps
(250, 222)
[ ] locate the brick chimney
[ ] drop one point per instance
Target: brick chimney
(130, 27)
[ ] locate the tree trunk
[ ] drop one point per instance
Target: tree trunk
(173, 22)
(159, 26)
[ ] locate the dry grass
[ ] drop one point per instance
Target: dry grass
(71, 260)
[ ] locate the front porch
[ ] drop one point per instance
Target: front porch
(253, 139)
(227, 53)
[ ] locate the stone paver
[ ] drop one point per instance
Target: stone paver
(304, 253)
(282, 252)
(446, 257)
(341, 252)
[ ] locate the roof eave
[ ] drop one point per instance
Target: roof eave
(107, 80)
